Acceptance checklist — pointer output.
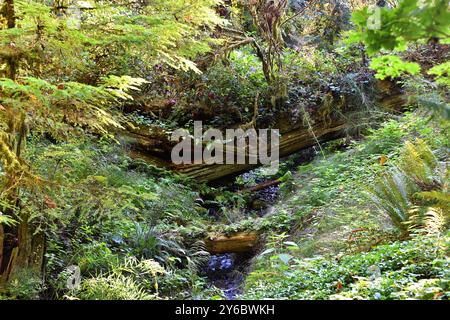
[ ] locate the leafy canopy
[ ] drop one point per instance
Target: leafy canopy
(392, 29)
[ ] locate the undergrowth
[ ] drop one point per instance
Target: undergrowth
(339, 232)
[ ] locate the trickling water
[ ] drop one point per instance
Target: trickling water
(224, 272)
(222, 263)
(228, 271)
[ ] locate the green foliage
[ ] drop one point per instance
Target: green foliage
(278, 246)
(107, 35)
(136, 232)
(387, 272)
(113, 287)
(147, 243)
(248, 68)
(386, 139)
(311, 63)
(5, 219)
(398, 190)
(25, 285)
(409, 21)
(108, 208)
(58, 62)
(393, 67)
(231, 87)
(327, 210)
(94, 257)
(322, 83)
(442, 73)
(391, 194)
(132, 280)
(44, 100)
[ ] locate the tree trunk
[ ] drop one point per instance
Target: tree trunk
(9, 14)
(261, 186)
(2, 238)
(30, 253)
(28, 250)
(27, 253)
(290, 142)
(155, 147)
(22, 249)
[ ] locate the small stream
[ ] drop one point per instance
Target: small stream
(227, 271)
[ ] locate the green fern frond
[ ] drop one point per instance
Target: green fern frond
(440, 198)
(197, 256)
(413, 193)
(418, 162)
(391, 194)
(426, 220)
(6, 220)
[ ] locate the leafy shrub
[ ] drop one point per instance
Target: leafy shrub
(442, 73)
(386, 139)
(26, 284)
(387, 272)
(393, 67)
(117, 287)
(108, 207)
(231, 87)
(127, 281)
(146, 243)
(94, 257)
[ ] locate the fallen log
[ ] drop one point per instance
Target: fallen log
(236, 243)
(155, 146)
(290, 142)
(261, 186)
(147, 143)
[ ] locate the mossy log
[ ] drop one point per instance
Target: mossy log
(156, 149)
(154, 146)
(290, 142)
(235, 243)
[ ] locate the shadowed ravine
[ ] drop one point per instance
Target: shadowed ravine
(227, 271)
